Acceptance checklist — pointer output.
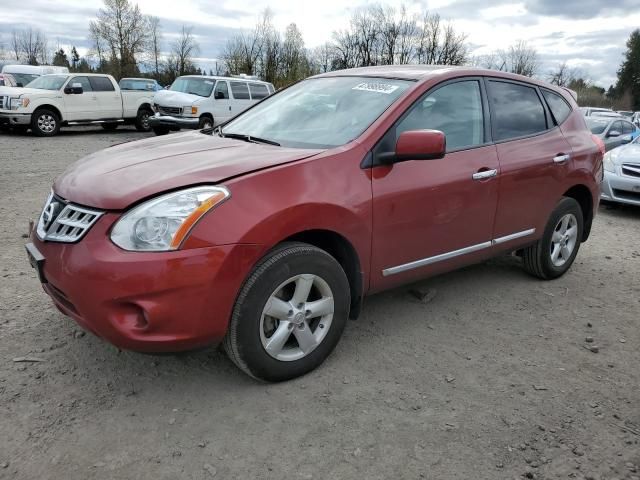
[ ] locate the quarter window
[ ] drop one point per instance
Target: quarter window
(516, 110)
(84, 81)
(221, 91)
(258, 91)
(240, 91)
(559, 107)
(455, 109)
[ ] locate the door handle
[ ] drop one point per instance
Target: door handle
(484, 174)
(561, 158)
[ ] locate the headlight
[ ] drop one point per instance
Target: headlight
(190, 110)
(19, 102)
(607, 161)
(163, 223)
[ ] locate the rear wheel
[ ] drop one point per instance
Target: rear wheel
(109, 127)
(555, 252)
(160, 130)
(45, 123)
(290, 313)
(142, 120)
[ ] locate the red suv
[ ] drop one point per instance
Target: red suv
(267, 233)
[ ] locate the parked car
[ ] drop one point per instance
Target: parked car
(7, 80)
(144, 84)
(622, 174)
(612, 131)
(588, 111)
(198, 101)
(625, 113)
(266, 233)
(23, 74)
(636, 119)
(52, 101)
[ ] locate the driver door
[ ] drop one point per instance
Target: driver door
(80, 106)
(435, 215)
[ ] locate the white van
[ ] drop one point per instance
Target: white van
(24, 74)
(199, 101)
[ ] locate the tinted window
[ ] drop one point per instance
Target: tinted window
(84, 81)
(222, 90)
(559, 108)
(101, 84)
(517, 110)
(258, 91)
(240, 90)
(627, 127)
(597, 126)
(455, 109)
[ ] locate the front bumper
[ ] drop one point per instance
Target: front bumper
(621, 188)
(145, 301)
(14, 118)
(173, 122)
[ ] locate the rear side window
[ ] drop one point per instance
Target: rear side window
(517, 110)
(101, 84)
(258, 91)
(559, 107)
(240, 91)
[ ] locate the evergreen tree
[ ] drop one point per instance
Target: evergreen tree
(629, 72)
(60, 59)
(75, 57)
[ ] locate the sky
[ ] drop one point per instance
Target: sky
(589, 34)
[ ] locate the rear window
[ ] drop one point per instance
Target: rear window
(135, 84)
(101, 84)
(597, 126)
(240, 90)
(560, 109)
(517, 110)
(258, 91)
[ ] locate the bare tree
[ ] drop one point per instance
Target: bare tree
(522, 59)
(243, 53)
(323, 57)
(155, 43)
(563, 75)
(184, 49)
(15, 45)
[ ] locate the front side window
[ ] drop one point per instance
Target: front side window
(559, 107)
(222, 90)
(258, 91)
(201, 87)
(616, 127)
(101, 84)
(516, 110)
(84, 81)
(455, 110)
(321, 112)
(240, 90)
(627, 128)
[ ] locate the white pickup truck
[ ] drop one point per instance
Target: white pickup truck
(53, 101)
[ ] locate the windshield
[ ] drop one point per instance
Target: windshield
(597, 126)
(24, 78)
(320, 112)
(48, 82)
(193, 85)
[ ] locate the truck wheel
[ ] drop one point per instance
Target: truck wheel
(142, 120)
(205, 122)
(45, 123)
(290, 313)
(160, 130)
(552, 255)
(109, 127)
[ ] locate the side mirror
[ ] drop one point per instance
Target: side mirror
(626, 139)
(75, 88)
(613, 134)
(420, 145)
(218, 95)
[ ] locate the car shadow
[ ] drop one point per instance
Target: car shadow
(620, 210)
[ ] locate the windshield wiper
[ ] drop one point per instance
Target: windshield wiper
(248, 138)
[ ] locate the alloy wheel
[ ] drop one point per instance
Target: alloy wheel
(564, 239)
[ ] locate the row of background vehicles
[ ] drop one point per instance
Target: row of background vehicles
(50, 100)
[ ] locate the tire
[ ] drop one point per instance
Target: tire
(205, 122)
(160, 130)
(45, 123)
(283, 271)
(109, 127)
(142, 120)
(538, 259)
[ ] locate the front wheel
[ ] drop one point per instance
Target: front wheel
(555, 252)
(45, 123)
(289, 314)
(142, 120)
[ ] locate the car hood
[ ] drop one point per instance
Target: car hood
(114, 178)
(15, 91)
(626, 154)
(169, 98)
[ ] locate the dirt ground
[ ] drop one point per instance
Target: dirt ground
(489, 379)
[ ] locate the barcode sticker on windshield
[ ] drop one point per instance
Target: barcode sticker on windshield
(376, 87)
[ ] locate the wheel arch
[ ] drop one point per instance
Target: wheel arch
(581, 194)
(49, 106)
(145, 106)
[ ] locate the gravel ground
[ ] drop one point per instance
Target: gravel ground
(489, 378)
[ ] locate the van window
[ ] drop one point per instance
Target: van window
(559, 107)
(101, 84)
(84, 81)
(455, 109)
(240, 90)
(517, 110)
(221, 91)
(258, 91)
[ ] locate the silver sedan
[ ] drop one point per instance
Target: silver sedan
(622, 174)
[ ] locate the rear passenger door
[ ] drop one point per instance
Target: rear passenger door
(109, 100)
(241, 97)
(534, 160)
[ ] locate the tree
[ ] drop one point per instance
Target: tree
(183, 51)
(155, 44)
(563, 75)
(124, 31)
(628, 82)
(75, 58)
(519, 58)
(30, 46)
(60, 58)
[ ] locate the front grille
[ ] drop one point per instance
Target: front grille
(4, 103)
(631, 170)
(169, 110)
(61, 221)
(626, 195)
